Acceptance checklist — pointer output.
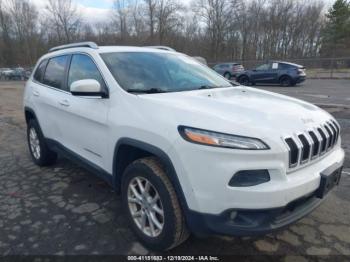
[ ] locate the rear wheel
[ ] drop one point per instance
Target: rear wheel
(244, 80)
(39, 151)
(286, 81)
(151, 205)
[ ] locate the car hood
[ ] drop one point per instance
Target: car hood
(239, 110)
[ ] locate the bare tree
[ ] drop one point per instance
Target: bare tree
(168, 16)
(24, 20)
(6, 52)
(216, 15)
(121, 17)
(215, 29)
(150, 12)
(65, 19)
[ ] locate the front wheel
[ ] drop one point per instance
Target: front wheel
(227, 75)
(151, 205)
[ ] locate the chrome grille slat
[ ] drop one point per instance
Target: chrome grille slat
(337, 128)
(316, 146)
(329, 140)
(323, 141)
(305, 149)
(333, 133)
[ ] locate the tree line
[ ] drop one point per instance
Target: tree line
(219, 30)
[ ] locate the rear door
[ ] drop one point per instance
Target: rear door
(47, 91)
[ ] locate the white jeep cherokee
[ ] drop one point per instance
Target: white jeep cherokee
(187, 150)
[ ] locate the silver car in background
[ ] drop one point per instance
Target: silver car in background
(229, 70)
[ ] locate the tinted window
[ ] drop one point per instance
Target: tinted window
(169, 72)
(263, 67)
(39, 73)
(82, 67)
(54, 74)
(284, 66)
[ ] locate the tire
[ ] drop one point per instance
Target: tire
(39, 151)
(227, 75)
(286, 81)
(174, 230)
(244, 80)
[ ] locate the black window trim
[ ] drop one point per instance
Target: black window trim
(47, 62)
(67, 67)
(105, 87)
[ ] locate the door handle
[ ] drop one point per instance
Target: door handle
(64, 103)
(36, 93)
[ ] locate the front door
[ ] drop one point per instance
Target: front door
(85, 118)
(262, 74)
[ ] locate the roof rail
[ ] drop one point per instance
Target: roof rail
(162, 47)
(81, 44)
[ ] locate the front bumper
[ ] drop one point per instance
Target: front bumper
(251, 222)
(248, 222)
(204, 179)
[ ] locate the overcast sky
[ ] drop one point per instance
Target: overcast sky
(99, 10)
(91, 10)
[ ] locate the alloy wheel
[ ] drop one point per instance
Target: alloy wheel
(34, 143)
(145, 206)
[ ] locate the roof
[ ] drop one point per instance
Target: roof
(288, 63)
(103, 49)
(107, 49)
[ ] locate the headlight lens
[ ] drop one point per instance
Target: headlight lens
(211, 138)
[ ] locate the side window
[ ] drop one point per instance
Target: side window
(39, 73)
(263, 67)
(82, 67)
(284, 66)
(55, 71)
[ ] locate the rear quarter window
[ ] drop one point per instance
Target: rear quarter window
(39, 73)
(55, 72)
(285, 66)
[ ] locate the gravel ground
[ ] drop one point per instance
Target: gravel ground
(65, 210)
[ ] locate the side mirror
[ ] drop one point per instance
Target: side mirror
(87, 87)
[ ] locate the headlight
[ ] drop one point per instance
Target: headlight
(211, 138)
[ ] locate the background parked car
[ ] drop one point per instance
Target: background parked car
(5, 73)
(17, 74)
(229, 70)
(201, 60)
(275, 72)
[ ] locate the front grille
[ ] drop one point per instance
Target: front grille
(312, 144)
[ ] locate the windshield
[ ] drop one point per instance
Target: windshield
(160, 72)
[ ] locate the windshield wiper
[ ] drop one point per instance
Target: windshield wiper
(146, 91)
(206, 87)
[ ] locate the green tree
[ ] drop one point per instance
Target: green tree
(336, 33)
